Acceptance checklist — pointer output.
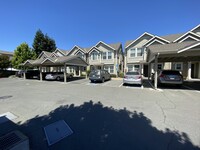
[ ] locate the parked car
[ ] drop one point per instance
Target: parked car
(132, 77)
(32, 74)
(58, 76)
(20, 73)
(99, 75)
(169, 77)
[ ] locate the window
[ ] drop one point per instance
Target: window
(136, 67)
(178, 66)
(109, 55)
(160, 66)
(104, 55)
(132, 53)
(133, 67)
(139, 51)
(94, 55)
(109, 68)
(81, 55)
(106, 68)
(130, 67)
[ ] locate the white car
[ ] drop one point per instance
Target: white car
(133, 77)
(58, 76)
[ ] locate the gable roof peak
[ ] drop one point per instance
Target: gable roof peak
(133, 41)
(198, 26)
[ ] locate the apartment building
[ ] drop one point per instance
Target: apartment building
(135, 55)
(100, 56)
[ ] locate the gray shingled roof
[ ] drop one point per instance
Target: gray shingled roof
(70, 60)
(6, 52)
(172, 37)
(116, 46)
(128, 42)
(171, 48)
(64, 51)
(48, 54)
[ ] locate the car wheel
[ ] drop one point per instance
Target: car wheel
(103, 80)
(58, 78)
(91, 81)
(70, 76)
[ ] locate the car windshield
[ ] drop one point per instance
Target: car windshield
(171, 72)
(96, 71)
(132, 73)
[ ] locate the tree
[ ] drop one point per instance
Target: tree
(21, 54)
(4, 62)
(43, 43)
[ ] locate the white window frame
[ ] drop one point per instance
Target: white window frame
(131, 53)
(81, 54)
(132, 67)
(108, 68)
(93, 54)
(178, 63)
(106, 56)
(135, 54)
(109, 55)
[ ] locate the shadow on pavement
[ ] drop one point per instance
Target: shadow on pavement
(97, 127)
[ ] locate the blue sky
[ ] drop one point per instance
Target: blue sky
(85, 22)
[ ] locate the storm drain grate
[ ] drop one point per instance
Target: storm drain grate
(57, 131)
(8, 140)
(14, 140)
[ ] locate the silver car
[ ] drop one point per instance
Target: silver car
(133, 77)
(169, 77)
(57, 76)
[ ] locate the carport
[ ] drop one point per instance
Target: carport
(63, 61)
(174, 52)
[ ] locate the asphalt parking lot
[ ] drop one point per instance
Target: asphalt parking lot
(103, 115)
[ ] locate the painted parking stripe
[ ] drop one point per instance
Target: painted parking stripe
(121, 84)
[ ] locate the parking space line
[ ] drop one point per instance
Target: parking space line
(121, 84)
(151, 84)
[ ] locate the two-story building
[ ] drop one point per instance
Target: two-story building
(135, 55)
(100, 56)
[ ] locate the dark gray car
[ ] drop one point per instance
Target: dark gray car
(99, 75)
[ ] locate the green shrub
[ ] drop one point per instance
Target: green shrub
(113, 75)
(121, 74)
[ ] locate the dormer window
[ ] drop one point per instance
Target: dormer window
(94, 55)
(82, 55)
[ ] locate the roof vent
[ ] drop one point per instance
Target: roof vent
(14, 141)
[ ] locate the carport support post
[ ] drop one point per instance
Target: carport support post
(24, 73)
(65, 74)
(156, 71)
(40, 73)
(79, 71)
(189, 71)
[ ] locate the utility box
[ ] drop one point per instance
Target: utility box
(14, 140)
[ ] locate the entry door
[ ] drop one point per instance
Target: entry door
(192, 70)
(145, 70)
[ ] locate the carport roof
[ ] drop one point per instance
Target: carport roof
(174, 52)
(58, 61)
